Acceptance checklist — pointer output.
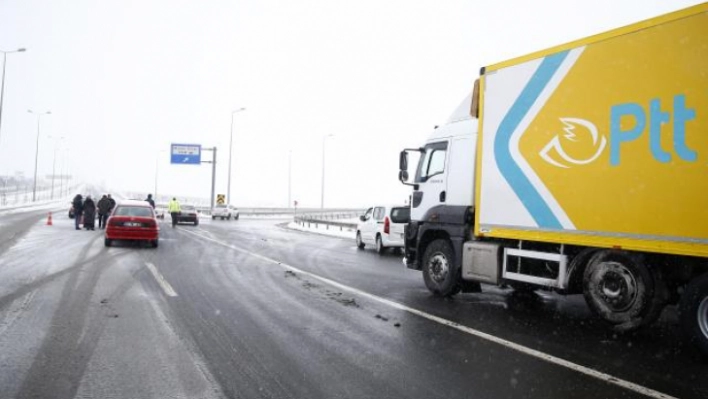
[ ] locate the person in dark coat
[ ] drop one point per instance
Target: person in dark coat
(104, 208)
(89, 213)
(78, 205)
(150, 201)
(113, 203)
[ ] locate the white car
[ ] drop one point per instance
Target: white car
(382, 226)
(224, 212)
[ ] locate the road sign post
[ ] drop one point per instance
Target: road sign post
(186, 154)
(191, 154)
(213, 174)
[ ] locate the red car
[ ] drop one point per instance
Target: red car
(132, 220)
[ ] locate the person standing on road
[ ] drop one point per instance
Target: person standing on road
(113, 203)
(150, 201)
(89, 213)
(174, 209)
(78, 205)
(104, 208)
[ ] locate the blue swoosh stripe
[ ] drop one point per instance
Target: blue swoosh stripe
(525, 191)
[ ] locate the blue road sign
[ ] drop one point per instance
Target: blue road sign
(186, 154)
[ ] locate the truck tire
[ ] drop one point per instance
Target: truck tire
(440, 273)
(622, 290)
(380, 249)
(693, 312)
(359, 243)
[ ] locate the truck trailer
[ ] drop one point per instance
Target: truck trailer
(581, 169)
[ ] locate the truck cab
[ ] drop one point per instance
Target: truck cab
(442, 200)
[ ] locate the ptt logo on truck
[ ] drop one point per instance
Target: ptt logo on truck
(555, 146)
(554, 153)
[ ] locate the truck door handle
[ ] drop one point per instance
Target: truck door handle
(442, 196)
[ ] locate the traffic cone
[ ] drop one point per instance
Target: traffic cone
(49, 220)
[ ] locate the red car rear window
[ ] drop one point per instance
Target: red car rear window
(139, 211)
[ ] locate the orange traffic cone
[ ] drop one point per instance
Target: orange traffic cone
(49, 220)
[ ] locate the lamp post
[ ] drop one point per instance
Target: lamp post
(61, 173)
(36, 153)
(324, 140)
(231, 141)
(54, 161)
(2, 84)
(157, 171)
(290, 176)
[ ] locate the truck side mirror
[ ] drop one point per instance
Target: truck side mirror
(362, 218)
(403, 175)
(403, 161)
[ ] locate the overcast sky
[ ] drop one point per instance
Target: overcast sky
(124, 79)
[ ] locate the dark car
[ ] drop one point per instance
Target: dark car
(188, 214)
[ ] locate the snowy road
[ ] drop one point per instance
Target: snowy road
(249, 309)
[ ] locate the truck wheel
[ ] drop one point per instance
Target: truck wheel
(359, 243)
(379, 245)
(440, 273)
(213, 217)
(622, 290)
(228, 217)
(693, 311)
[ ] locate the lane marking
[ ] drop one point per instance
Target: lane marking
(607, 378)
(166, 287)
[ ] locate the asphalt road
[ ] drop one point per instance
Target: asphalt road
(250, 309)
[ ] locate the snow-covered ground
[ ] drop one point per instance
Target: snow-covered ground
(13, 200)
(334, 231)
(35, 207)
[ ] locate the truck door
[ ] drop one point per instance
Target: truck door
(431, 179)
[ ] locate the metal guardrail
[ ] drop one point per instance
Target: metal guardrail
(326, 214)
(328, 219)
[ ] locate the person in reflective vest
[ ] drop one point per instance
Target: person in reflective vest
(174, 209)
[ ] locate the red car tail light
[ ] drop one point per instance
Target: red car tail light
(387, 225)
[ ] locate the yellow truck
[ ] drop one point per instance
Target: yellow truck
(580, 169)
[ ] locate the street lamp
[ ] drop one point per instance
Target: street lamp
(290, 176)
(61, 173)
(2, 84)
(324, 139)
(36, 153)
(231, 141)
(157, 171)
(54, 161)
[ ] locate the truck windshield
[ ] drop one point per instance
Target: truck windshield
(432, 162)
